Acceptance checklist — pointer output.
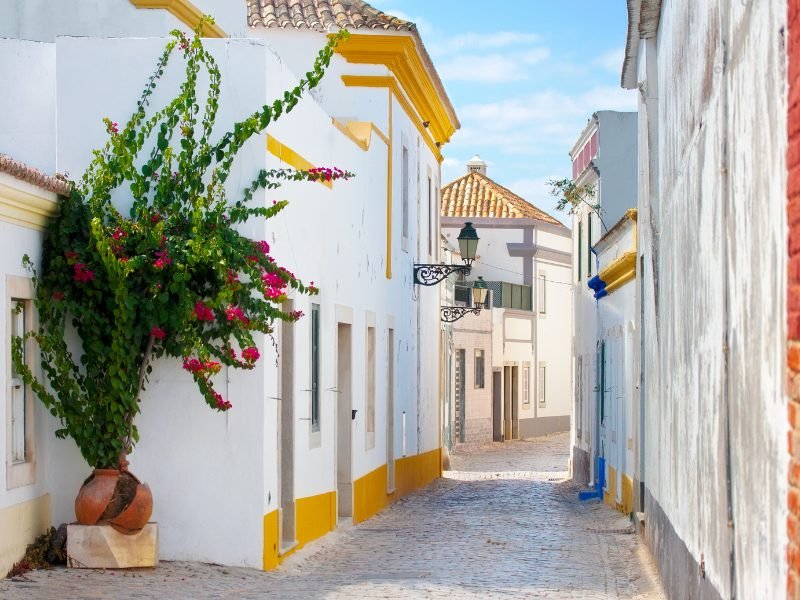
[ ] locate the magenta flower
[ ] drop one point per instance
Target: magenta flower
(251, 354)
(234, 313)
(82, 274)
(203, 313)
(158, 333)
(262, 247)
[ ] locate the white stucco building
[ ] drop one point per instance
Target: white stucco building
(712, 206)
(346, 417)
(513, 365)
(604, 157)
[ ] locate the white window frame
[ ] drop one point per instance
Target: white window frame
(20, 473)
(526, 385)
(370, 381)
(315, 427)
(541, 294)
(405, 207)
(541, 384)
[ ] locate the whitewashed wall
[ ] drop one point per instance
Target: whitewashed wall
(43, 20)
(712, 228)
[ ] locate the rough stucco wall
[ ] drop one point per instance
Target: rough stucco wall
(714, 353)
(793, 302)
(27, 109)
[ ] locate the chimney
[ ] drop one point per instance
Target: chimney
(476, 165)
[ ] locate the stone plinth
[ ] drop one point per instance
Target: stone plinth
(103, 547)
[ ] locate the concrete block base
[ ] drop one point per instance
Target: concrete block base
(103, 547)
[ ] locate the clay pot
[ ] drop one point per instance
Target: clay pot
(114, 497)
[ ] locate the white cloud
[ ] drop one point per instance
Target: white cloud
(491, 68)
(611, 60)
(533, 128)
(483, 41)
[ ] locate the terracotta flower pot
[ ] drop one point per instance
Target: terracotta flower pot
(114, 497)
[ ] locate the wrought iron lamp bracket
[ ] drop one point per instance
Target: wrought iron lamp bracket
(451, 314)
(434, 274)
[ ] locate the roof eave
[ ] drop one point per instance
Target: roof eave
(643, 19)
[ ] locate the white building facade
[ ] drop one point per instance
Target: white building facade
(524, 257)
(342, 415)
(603, 157)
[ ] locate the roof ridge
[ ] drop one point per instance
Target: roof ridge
(511, 199)
(52, 183)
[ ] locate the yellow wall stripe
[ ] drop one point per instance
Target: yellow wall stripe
(360, 132)
(291, 158)
(317, 515)
(185, 11)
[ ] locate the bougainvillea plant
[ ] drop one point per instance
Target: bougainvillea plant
(174, 277)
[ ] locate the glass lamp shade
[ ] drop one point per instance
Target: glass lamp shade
(479, 292)
(468, 243)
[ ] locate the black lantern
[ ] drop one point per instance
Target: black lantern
(467, 245)
(479, 292)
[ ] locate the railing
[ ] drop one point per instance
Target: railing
(502, 294)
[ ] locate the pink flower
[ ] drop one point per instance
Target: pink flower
(58, 295)
(203, 313)
(200, 368)
(162, 259)
(234, 313)
(82, 274)
(262, 247)
(232, 277)
(221, 404)
(251, 354)
(271, 293)
(155, 218)
(158, 333)
(296, 314)
(119, 234)
(273, 280)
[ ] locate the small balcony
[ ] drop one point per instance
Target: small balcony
(502, 294)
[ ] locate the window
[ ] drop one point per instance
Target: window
(404, 184)
(542, 383)
(370, 387)
(526, 385)
(589, 247)
(542, 300)
(20, 467)
(580, 248)
(480, 369)
(315, 367)
(431, 216)
(602, 382)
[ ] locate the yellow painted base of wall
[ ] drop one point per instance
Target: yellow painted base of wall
(370, 494)
(19, 526)
(316, 515)
(610, 493)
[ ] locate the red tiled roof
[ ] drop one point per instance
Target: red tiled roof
(34, 176)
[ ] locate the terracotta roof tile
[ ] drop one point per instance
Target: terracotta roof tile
(320, 15)
(475, 195)
(33, 176)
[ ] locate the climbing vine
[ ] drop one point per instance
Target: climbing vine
(174, 276)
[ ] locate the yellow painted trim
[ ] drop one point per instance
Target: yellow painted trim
(411, 473)
(185, 11)
(21, 523)
(627, 495)
(25, 208)
(610, 493)
(389, 182)
(399, 54)
(271, 540)
(291, 158)
(360, 132)
(385, 81)
(620, 271)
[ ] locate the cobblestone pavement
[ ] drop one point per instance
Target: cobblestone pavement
(504, 523)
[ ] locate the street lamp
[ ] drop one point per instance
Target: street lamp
(480, 290)
(426, 274)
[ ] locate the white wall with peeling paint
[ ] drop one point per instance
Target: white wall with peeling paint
(713, 237)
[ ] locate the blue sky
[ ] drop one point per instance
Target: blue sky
(524, 77)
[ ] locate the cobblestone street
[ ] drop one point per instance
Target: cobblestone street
(504, 523)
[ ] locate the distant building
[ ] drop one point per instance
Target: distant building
(512, 363)
(604, 157)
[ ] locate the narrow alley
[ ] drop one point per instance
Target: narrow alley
(504, 523)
